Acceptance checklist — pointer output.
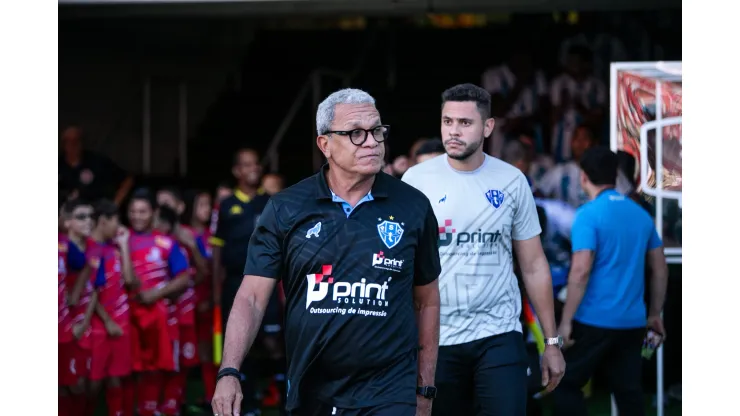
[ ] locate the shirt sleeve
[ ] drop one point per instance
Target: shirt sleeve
(176, 261)
(265, 254)
(583, 235)
(526, 221)
(219, 237)
(75, 257)
(201, 246)
(655, 240)
(426, 262)
(100, 274)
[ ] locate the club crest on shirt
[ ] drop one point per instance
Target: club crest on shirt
(495, 197)
(390, 232)
(235, 210)
(163, 242)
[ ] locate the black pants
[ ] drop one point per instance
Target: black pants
(618, 353)
(389, 409)
(251, 366)
(485, 377)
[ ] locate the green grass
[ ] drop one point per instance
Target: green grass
(599, 403)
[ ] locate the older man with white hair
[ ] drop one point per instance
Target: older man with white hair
(357, 252)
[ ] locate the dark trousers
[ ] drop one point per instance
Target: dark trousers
(487, 377)
(388, 409)
(615, 351)
(252, 366)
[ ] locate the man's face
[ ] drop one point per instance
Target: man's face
(80, 221)
(109, 226)
(580, 142)
(425, 157)
(162, 226)
(247, 169)
(463, 129)
(365, 159)
(140, 215)
(72, 141)
(203, 208)
(223, 193)
(272, 184)
(167, 199)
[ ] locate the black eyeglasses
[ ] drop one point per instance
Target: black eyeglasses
(82, 217)
(358, 136)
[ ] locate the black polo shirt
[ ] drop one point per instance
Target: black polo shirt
(351, 332)
(96, 176)
(237, 218)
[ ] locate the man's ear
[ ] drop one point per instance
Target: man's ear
(322, 142)
(488, 127)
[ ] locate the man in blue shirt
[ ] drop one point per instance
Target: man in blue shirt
(604, 318)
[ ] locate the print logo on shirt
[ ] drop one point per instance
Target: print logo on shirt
(495, 197)
(314, 231)
(390, 232)
(381, 262)
(154, 256)
(443, 199)
(235, 210)
(359, 294)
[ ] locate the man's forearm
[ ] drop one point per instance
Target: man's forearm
(427, 318)
(123, 190)
(658, 288)
(90, 309)
(576, 289)
(538, 284)
(102, 314)
(175, 286)
(241, 329)
(127, 268)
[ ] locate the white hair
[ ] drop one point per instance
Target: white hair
(325, 112)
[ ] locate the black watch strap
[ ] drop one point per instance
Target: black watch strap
(429, 392)
(230, 372)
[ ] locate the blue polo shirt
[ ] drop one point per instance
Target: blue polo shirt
(620, 233)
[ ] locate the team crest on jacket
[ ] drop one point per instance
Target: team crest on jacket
(390, 232)
(495, 197)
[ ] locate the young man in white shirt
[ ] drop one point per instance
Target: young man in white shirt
(486, 212)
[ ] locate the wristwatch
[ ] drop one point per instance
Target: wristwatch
(558, 340)
(229, 371)
(429, 392)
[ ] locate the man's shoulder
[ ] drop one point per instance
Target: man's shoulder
(400, 189)
(424, 169)
(297, 193)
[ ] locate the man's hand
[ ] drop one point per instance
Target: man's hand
(78, 330)
(122, 236)
(185, 237)
(227, 400)
(423, 406)
(147, 297)
(113, 329)
(655, 323)
(565, 330)
(553, 367)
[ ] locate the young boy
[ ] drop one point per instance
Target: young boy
(111, 363)
(76, 303)
(163, 271)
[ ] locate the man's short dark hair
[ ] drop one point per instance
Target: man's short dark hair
(175, 192)
(143, 194)
(167, 215)
(105, 208)
(239, 151)
(627, 164)
(470, 92)
(430, 146)
(600, 165)
(71, 205)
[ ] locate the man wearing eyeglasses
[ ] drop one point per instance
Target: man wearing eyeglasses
(357, 250)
